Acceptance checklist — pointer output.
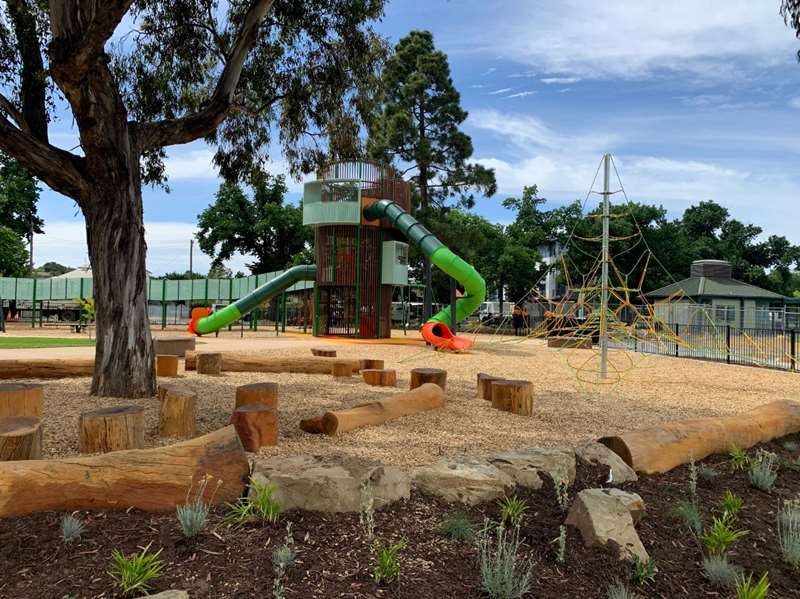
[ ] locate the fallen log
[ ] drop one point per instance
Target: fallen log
(21, 399)
(425, 397)
(154, 480)
(46, 369)
(664, 447)
(250, 362)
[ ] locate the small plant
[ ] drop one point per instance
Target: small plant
(282, 560)
(511, 510)
(689, 514)
(791, 446)
(562, 494)
(720, 536)
(367, 513)
(745, 589)
(763, 470)
(459, 527)
(387, 566)
(643, 572)
(692, 478)
(71, 528)
(739, 458)
(730, 504)
(503, 575)
(707, 472)
(260, 504)
(193, 515)
(561, 555)
(135, 574)
(619, 590)
(789, 532)
(720, 572)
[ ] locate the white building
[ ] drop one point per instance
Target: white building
(551, 251)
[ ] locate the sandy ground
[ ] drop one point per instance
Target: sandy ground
(653, 389)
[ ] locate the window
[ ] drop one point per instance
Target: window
(725, 314)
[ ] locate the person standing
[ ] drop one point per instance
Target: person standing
(516, 320)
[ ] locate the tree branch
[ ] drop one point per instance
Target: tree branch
(8, 107)
(194, 126)
(62, 171)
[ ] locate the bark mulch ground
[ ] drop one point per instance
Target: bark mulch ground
(335, 559)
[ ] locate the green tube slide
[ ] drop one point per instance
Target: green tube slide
(440, 255)
(234, 311)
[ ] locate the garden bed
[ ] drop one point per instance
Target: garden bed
(335, 559)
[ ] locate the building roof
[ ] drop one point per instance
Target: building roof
(715, 287)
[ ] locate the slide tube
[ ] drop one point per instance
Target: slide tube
(205, 324)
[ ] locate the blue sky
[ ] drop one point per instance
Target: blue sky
(696, 100)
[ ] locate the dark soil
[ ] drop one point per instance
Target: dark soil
(336, 560)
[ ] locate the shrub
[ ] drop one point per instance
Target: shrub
(730, 504)
(366, 514)
(791, 446)
(789, 532)
(282, 559)
(707, 472)
(511, 510)
(745, 589)
(692, 479)
(503, 575)
(689, 514)
(135, 574)
(71, 528)
(459, 527)
(620, 590)
(642, 572)
(260, 504)
(562, 494)
(739, 458)
(387, 566)
(763, 470)
(193, 515)
(561, 556)
(720, 572)
(721, 535)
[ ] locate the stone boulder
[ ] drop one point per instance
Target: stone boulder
(606, 516)
(463, 479)
(168, 595)
(599, 455)
(527, 466)
(329, 484)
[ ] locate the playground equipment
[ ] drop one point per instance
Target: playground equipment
(361, 220)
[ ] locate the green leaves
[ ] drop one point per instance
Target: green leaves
(134, 574)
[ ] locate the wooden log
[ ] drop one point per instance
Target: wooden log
(341, 369)
(485, 385)
(250, 362)
(570, 342)
(420, 376)
(256, 425)
(382, 377)
(21, 399)
(426, 397)
(20, 438)
(513, 396)
(209, 363)
(370, 364)
(154, 480)
(111, 429)
(176, 414)
(265, 394)
(668, 445)
(46, 369)
(312, 425)
(166, 365)
(323, 353)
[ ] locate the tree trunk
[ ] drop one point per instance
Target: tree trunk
(124, 360)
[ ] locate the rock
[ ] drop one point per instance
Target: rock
(632, 502)
(598, 454)
(603, 516)
(526, 466)
(168, 595)
(464, 479)
(328, 484)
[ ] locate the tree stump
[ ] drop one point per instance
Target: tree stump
(256, 425)
(370, 364)
(176, 416)
(166, 365)
(420, 376)
(513, 396)
(323, 353)
(111, 429)
(20, 438)
(21, 399)
(341, 369)
(485, 385)
(264, 394)
(380, 377)
(209, 363)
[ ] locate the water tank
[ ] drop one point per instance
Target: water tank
(720, 269)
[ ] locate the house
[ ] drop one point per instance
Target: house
(712, 296)
(551, 250)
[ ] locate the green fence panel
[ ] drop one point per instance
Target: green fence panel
(171, 291)
(87, 287)
(185, 290)
(58, 289)
(73, 288)
(24, 289)
(8, 288)
(43, 289)
(214, 289)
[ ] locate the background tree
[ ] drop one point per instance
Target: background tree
(790, 11)
(416, 127)
(13, 254)
(262, 226)
(232, 73)
(53, 269)
(19, 195)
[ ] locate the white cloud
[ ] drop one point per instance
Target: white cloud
(489, 71)
(705, 99)
(523, 75)
(795, 102)
(561, 80)
(521, 94)
(478, 86)
(500, 91)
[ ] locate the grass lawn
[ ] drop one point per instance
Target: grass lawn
(38, 342)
